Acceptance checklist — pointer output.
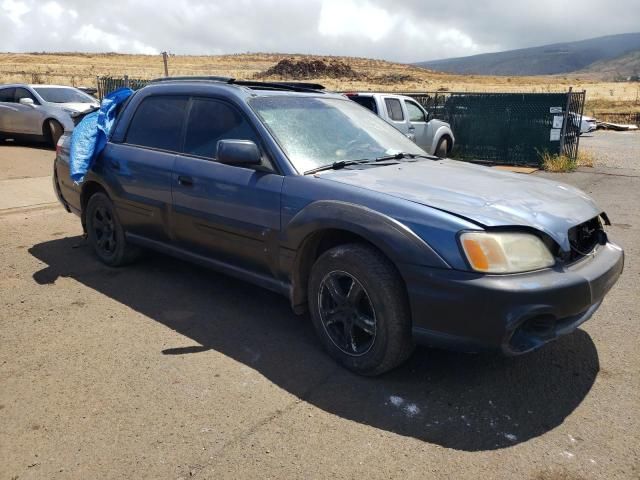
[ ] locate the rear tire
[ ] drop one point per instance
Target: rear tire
(53, 132)
(359, 309)
(442, 150)
(105, 232)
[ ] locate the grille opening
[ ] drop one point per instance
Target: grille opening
(584, 237)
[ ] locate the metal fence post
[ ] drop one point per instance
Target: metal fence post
(166, 65)
(584, 100)
(563, 131)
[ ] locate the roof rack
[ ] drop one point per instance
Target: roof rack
(292, 86)
(194, 78)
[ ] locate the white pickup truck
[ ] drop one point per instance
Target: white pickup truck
(408, 116)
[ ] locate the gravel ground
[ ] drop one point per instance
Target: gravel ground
(165, 370)
(613, 149)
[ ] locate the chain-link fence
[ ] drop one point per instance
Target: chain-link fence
(109, 84)
(506, 128)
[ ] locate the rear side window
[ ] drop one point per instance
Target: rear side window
(158, 122)
(211, 121)
(395, 109)
(7, 95)
(366, 102)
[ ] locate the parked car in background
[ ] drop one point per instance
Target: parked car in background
(587, 124)
(308, 194)
(41, 112)
(408, 116)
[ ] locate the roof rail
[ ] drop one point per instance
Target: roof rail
(292, 86)
(193, 78)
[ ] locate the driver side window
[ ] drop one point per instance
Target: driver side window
(415, 112)
(210, 121)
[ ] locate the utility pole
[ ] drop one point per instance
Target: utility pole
(166, 66)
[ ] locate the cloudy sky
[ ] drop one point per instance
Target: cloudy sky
(400, 30)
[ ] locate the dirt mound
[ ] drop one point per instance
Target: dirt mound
(306, 69)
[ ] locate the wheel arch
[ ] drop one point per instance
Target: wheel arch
(443, 132)
(89, 188)
(326, 224)
(45, 124)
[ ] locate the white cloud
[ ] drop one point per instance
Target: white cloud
(354, 18)
(457, 39)
(15, 10)
(53, 9)
(97, 39)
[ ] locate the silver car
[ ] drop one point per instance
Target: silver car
(41, 112)
(408, 116)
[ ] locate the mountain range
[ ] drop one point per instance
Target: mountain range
(609, 56)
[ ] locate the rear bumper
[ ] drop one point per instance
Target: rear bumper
(511, 313)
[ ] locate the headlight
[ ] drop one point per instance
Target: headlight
(73, 113)
(503, 252)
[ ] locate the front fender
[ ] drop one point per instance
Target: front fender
(393, 238)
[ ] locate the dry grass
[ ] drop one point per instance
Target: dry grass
(82, 69)
(554, 162)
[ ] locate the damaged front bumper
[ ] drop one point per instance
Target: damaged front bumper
(514, 313)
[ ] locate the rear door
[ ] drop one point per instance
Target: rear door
(397, 117)
(225, 212)
(418, 124)
(139, 169)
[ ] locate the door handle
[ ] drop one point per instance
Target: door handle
(185, 180)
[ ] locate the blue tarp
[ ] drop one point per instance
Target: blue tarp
(90, 136)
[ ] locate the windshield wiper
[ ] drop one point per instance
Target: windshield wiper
(345, 163)
(403, 155)
(336, 165)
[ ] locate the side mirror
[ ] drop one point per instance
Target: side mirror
(238, 152)
(26, 101)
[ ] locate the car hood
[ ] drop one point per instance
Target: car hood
(77, 107)
(483, 195)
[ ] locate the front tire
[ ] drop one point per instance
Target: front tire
(360, 310)
(53, 130)
(442, 150)
(105, 232)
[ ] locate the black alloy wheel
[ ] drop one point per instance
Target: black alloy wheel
(347, 313)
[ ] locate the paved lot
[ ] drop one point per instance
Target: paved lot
(166, 370)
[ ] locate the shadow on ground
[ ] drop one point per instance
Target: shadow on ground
(465, 402)
(23, 142)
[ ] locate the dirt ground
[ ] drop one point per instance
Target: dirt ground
(163, 370)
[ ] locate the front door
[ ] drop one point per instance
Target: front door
(7, 110)
(28, 119)
(225, 212)
(418, 122)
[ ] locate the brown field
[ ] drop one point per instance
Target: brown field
(82, 69)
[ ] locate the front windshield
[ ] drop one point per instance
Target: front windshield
(316, 131)
(64, 95)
